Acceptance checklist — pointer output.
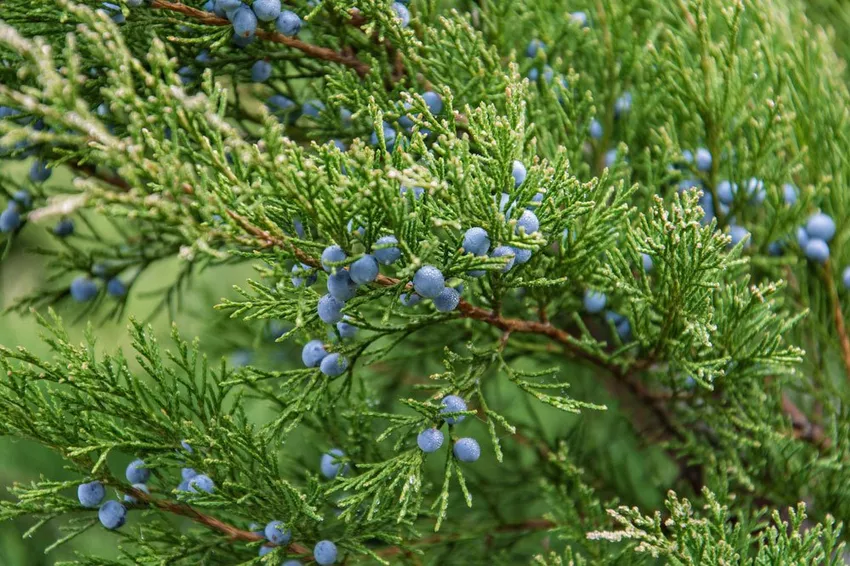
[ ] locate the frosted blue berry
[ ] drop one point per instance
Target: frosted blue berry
(23, 198)
(548, 74)
(845, 277)
(521, 255)
(112, 514)
(595, 129)
(402, 13)
(116, 288)
(579, 18)
(385, 250)
(330, 309)
(433, 101)
(291, 563)
(417, 192)
(279, 104)
(333, 365)
(10, 219)
(332, 464)
(467, 450)
(277, 533)
(261, 71)
(303, 274)
(39, 171)
(389, 136)
(266, 550)
(266, 10)
(624, 329)
(790, 193)
(594, 301)
(738, 234)
(614, 318)
(775, 248)
(409, 299)
(63, 228)
(534, 46)
(288, 23)
(188, 473)
(325, 552)
(331, 256)
(817, 250)
(312, 353)
(140, 487)
(91, 494)
(802, 237)
(447, 300)
(201, 482)
(346, 329)
(476, 241)
(506, 252)
(453, 404)
(820, 226)
(428, 281)
(244, 22)
(137, 472)
(186, 446)
(528, 222)
(341, 287)
(610, 158)
(209, 5)
(519, 173)
(83, 289)
(430, 440)
(623, 105)
(312, 108)
(726, 191)
(364, 270)
(703, 159)
(646, 259)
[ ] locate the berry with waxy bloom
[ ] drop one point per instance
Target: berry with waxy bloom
(594, 301)
(428, 281)
(333, 365)
(332, 463)
(476, 241)
(91, 494)
(313, 353)
(430, 440)
(112, 514)
(385, 250)
(325, 552)
(288, 23)
(467, 450)
(453, 404)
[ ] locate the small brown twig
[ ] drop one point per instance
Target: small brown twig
(313, 51)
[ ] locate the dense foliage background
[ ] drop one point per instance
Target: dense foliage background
(626, 465)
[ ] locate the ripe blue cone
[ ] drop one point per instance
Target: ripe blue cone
(112, 514)
(433, 101)
(266, 10)
(817, 250)
(534, 46)
(476, 241)
(91, 494)
(453, 404)
(346, 329)
(330, 309)
(467, 450)
(385, 250)
(646, 260)
(83, 289)
(845, 277)
(63, 228)
(595, 129)
(261, 71)
(10, 219)
(409, 299)
(430, 440)
(116, 288)
(594, 301)
(341, 286)
(521, 255)
(288, 23)
(201, 482)
(519, 173)
(738, 234)
(291, 563)
(244, 22)
(447, 300)
(428, 281)
(277, 533)
(332, 256)
(303, 275)
(313, 353)
(332, 465)
(402, 13)
(527, 222)
(364, 270)
(333, 365)
(703, 159)
(506, 252)
(325, 553)
(137, 472)
(821, 226)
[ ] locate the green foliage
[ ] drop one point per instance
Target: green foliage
(729, 387)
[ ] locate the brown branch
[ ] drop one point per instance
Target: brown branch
(313, 51)
(182, 509)
(804, 428)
